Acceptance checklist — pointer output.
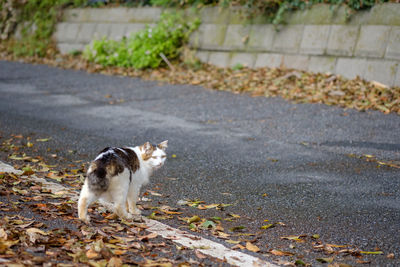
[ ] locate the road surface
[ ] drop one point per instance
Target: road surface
(315, 168)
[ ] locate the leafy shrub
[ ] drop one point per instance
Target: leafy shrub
(37, 18)
(143, 49)
(182, 3)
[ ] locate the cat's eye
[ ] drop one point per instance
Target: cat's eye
(163, 156)
(154, 157)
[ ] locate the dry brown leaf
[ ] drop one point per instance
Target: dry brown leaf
(92, 254)
(3, 234)
(390, 256)
(238, 246)
(114, 262)
(280, 252)
(199, 254)
(252, 247)
(147, 237)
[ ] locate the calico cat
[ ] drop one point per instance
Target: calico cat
(116, 176)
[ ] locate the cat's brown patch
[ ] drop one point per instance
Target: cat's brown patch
(129, 157)
(147, 150)
(110, 163)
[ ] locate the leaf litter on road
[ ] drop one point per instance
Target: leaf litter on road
(34, 239)
(58, 206)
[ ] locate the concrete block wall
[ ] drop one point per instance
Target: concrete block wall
(81, 26)
(320, 39)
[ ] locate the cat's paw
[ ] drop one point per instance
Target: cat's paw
(127, 216)
(85, 219)
(135, 211)
(137, 218)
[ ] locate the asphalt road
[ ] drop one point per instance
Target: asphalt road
(300, 164)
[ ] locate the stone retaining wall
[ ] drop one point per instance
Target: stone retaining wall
(320, 39)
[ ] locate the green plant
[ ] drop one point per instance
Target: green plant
(238, 66)
(182, 3)
(274, 10)
(144, 49)
(36, 20)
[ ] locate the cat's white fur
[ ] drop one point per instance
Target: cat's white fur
(123, 193)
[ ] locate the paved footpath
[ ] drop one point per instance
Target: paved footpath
(314, 168)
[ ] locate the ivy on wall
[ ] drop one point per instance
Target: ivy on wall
(272, 10)
(34, 21)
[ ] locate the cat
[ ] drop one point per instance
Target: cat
(116, 176)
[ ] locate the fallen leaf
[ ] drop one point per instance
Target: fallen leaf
(114, 262)
(182, 202)
(34, 234)
(271, 225)
(111, 216)
(147, 237)
(199, 254)
(33, 230)
(236, 228)
(204, 207)
(371, 252)
(193, 219)
(119, 252)
(43, 139)
(236, 216)
(92, 254)
(390, 256)
(3, 234)
(294, 237)
(277, 252)
(325, 260)
(26, 225)
(233, 241)
(6, 244)
(252, 247)
(169, 210)
(238, 246)
(157, 217)
(208, 224)
(336, 246)
(101, 263)
(23, 157)
(153, 193)
(316, 236)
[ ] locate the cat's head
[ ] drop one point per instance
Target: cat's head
(154, 155)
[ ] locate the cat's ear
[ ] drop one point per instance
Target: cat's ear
(163, 145)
